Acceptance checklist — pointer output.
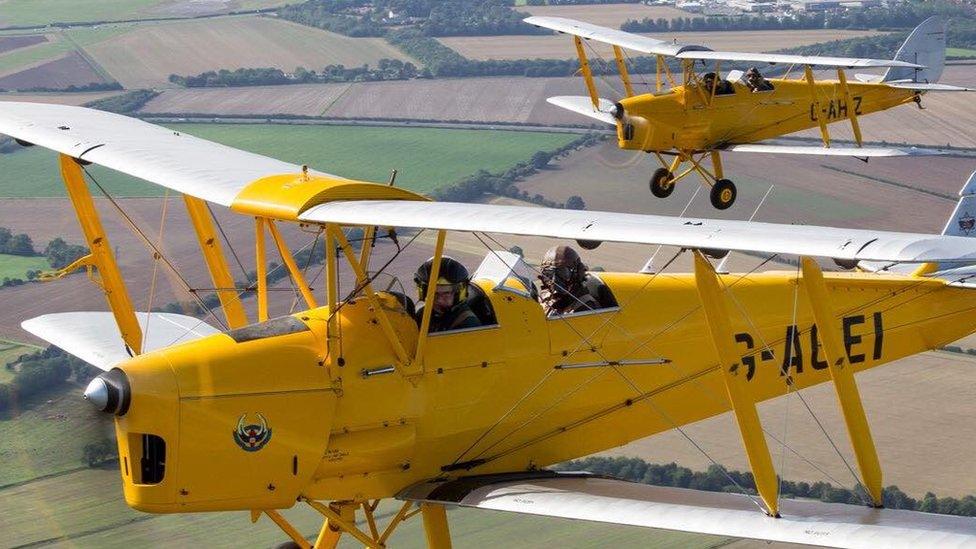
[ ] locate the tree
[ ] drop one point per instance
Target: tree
(575, 203)
(21, 245)
(540, 159)
(98, 452)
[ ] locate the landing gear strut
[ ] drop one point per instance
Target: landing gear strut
(723, 191)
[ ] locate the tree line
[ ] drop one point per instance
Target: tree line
(431, 17)
(59, 253)
(385, 69)
(902, 16)
(126, 103)
(718, 479)
(39, 372)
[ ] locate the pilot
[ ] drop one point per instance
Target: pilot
(451, 310)
(566, 286)
(724, 87)
(756, 81)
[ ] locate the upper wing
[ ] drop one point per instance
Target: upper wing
(587, 497)
(653, 46)
(607, 35)
(858, 152)
(187, 164)
(847, 244)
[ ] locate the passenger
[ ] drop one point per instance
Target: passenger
(450, 300)
(566, 286)
(724, 87)
(756, 81)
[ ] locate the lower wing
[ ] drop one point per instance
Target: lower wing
(588, 497)
(818, 150)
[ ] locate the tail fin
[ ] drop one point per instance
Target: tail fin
(962, 222)
(924, 46)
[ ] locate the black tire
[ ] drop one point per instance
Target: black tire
(723, 194)
(662, 183)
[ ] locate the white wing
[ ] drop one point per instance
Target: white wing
(583, 105)
(94, 336)
(181, 162)
(653, 46)
(858, 152)
(587, 497)
(849, 244)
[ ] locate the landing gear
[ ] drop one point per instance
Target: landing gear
(662, 183)
(723, 191)
(723, 194)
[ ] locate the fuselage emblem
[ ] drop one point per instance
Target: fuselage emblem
(251, 437)
(967, 223)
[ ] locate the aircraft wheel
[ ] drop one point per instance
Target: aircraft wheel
(723, 194)
(662, 183)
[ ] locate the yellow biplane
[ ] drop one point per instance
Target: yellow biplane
(352, 400)
(706, 114)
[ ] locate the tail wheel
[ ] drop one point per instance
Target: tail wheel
(723, 194)
(662, 183)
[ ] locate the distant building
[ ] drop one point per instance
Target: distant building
(753, 6)
(826, 5)
(692, 6)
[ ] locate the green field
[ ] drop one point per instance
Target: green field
(425, 157)
(42, 12)
(960, 52)
(9, 351)
(86, 509)
(16, 266)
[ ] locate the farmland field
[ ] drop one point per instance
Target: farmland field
(59, 98)
(425, 157)
(16, 266)
(43, 12)
(561, 47)
(147, 54)
(608, 15)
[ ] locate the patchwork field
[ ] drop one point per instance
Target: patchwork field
(424, 157)
(608, 15)
(561, 46)
(147, 54)
(43, 12)
(8, 43)
(59, 98)
(71, 70)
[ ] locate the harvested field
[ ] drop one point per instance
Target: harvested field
(70, 70)
(561, 46)
(920, 409)
(8, 43)
(608, 15)
(147, 54)
(58, 98)
(38, 54)
(304, 99)
(196, 8)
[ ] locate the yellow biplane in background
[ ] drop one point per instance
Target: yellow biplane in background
(353, 400)
(707, 114)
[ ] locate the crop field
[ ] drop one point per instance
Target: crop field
(16, 266)
(43, 12)
(424, 157)
(561, 46)
(8, 43)
(59, 98)
(147, 54)
(304, 99)
(607, 15)
(70, 70)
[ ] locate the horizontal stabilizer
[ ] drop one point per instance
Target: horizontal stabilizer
(583, 105)
(586, 497)
(921, 86)
(857, 152)
(94, 337)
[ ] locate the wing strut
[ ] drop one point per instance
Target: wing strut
(744, 408)
(851, 108)
(213, 255)
(829, 330)
(622, 69)
(821, 119)
(112, 282)
(587, 73)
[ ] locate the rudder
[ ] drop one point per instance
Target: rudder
(924, 46)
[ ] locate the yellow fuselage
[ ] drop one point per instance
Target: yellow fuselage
(682, 118)
(492, 399)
